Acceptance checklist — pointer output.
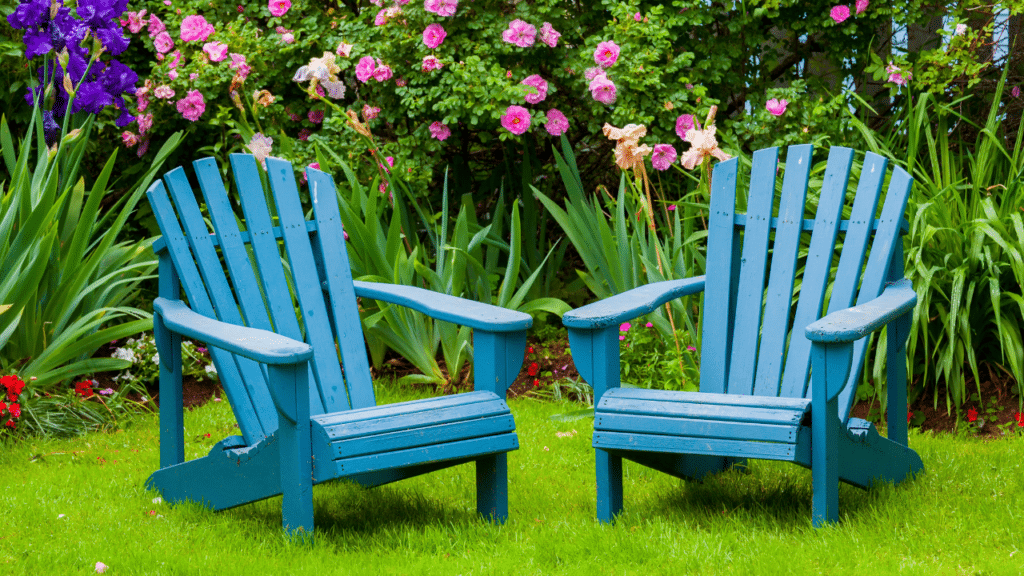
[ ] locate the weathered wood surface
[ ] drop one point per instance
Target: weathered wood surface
(777, 379)
(277, 307)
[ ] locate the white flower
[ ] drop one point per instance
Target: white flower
(210, 369)
(101, 567)
(124, 354)
(960, 29)
(156, 358)
(157, 500)
(260, 147)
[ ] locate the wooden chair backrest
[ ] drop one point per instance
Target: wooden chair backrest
(753, 338)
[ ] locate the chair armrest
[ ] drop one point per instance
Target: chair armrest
(854, 323)
(259, 345)
(630, 304)
(476, 315)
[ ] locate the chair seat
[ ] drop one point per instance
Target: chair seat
(631, 419)
(416, 432)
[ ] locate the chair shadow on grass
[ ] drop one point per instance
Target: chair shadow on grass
(768, 494)
(345, 507)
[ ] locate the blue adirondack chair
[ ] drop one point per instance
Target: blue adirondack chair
(755, 399)
(289, 351)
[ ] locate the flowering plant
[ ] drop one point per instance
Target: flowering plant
(144, 361)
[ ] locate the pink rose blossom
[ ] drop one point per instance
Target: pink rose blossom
(683, 123)
(431, 63)
(594, 72)
(603, 90)
(440, 131)
(896, 76)
(164, 92)
(278, 8)
(156, 26)
(370, 112)
(840, 13)
(382, 72)
(1015, 91)
(141, 101)
(434, 35)
(315, 165)
(364, 69)
(516, 119)
(861, 6)
(540, 84)
(400, 82)
(192, 105)
(239, 63)
(381, 18)
(175, 59)
(193, 76)
(557, 123)
(776, 107)
(548, 35)
(173, 75)
(129, 138)
(315, 116)
(136, 21)
(217, 51)
(163, 43)
(304, 134)
(145, 123)
(520, 33)
(196, 27)
(287, 38)
(442, 8)
(663, 156)
(606, 54)
(638, 17)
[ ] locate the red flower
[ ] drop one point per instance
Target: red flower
(909, 416)
(10, 424)
(1019, 417)
(13, 384)
(536, 382)
(15, 410)
(972, 414)
(532, 370)
(529, 349)
(2, 407)
(84, 389)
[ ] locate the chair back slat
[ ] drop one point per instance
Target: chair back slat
(779, 296)
(240, 271)
(817, 270)
(723, 239)
(268, 256)
(326, 366)
(249, 423)
(338, 278)
(886, 252)
(750, 291)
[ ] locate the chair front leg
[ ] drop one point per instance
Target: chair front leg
(492, 487)
(829, 370)
(609, 485)
(292, 401)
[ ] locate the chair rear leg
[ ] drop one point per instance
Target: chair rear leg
(492, 487)
(609, 485)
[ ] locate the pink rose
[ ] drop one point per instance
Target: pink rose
(442, 8)
(217, 51)
(145, 123)
(861, 6)
(431, 63)
(516, 119)
(591, 73)
(192, 105)
(260, 146)
(557, 123)
(840, 13)
(364, 69)
(278, 8)
(164, 92)
(370, 112)
(440, 131)
(434, 35)
(382, 72)
(196, 27)
(776, 107)
(136, 21)
(540, 84)
(638, 17)
(175, 59)
(548, 35)
(239, 63)
(315, 116)
(287, 37)
(606, 54)
(173, 75)
(663, 156)
(129, 138)
(683, 123)
(163, 43)
(520, 33)
(603, 90)
(156, 26)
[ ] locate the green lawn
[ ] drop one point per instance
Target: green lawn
(962, 516)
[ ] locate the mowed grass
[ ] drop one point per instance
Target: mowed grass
(962, 516)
